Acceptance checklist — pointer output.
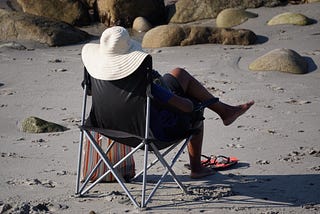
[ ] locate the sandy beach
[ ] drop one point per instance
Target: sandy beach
(276, 141)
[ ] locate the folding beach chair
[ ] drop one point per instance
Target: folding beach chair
(121, 111)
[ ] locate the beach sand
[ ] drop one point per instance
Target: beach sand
(276, 141)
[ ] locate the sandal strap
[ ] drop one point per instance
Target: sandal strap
(212, 160)
(206, 162)
(223, 158)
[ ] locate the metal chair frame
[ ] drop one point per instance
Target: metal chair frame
(83, 188)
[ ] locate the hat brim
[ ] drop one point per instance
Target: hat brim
(105, 66)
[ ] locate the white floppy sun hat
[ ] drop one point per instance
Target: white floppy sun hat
(116, 57)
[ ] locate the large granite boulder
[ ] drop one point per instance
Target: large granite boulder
(231, 17)
(177, 35)
(289, 18)
(285, 60)
(71, 11)
(38, 125)
(185, 11)
(22, 26)
(120, 12)
(164, 36)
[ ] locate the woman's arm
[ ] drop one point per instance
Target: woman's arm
(168, 97)
(181, 103)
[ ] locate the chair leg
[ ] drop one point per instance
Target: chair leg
(83, 113)
(105, 159)
(168, 169)
(79, 163)
(144, 177)
(156, 160)
(118, 177)
(107, 172)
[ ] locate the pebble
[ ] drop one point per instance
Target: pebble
(13, 45)
(297, 102)
(315, 168)
(33, 207)
(60, 70)
(5, 207)
(56, 61)
(238, 146)
(262, 162)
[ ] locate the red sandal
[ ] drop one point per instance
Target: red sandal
(219, 162)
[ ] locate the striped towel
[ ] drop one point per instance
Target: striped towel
(116, 153)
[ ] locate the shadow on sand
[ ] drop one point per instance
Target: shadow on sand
(250, 191)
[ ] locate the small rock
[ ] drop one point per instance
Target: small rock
(37, 125)
(42, 207)
(263, 162)
(285, 60)
(56, 61)
(141, 24)
(272, 131)
(5, 207)
(13, 45)
(63, 172)
(315, 168)
(289, 18)
(60, 70)
(231, 17)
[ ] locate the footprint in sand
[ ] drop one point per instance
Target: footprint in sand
(263, 162)
(7, 92)
(209, 193)
(297, 102)
(276, 88)
(11, 155)
(33, 207)
(32, 182)
(297, 155)
(56, 61)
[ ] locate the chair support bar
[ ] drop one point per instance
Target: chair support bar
(84, 104)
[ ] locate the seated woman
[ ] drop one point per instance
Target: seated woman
(117, 56)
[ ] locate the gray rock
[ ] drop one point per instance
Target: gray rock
(289, 18)
(141, 24)
(163, 36)
(185, 11)
(13, 45)
(26, 27)
(4, 208)
(177, 35)
(232, 17)
(69, 11)
(116, 12)
(285, 60)
(37, 125)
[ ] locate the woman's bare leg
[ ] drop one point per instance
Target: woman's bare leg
(195, 89)
(194, 149)
(228, 114)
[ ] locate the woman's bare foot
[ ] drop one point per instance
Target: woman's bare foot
(202, 172)
(235, 112)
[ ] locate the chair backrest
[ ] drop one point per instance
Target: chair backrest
(119, 106)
